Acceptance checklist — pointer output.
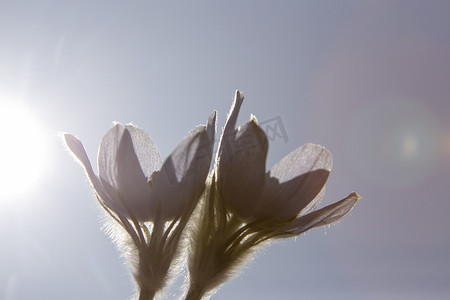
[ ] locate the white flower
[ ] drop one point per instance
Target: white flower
(293, 187)
(134, 187)
(132, 179)
(245, 206)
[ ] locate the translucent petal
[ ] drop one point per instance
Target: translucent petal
(327, 215)
(306, 158)
(146, 152)
(183, 174)
(78, 151)
(241, 169)
(299, 177)
(107, 154)
(132, 185)
(314, 203)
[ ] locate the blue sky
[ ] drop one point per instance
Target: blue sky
(370, 80)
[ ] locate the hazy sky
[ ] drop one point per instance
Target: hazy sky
(370, 80)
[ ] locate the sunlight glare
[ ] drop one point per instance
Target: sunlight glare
(22, 150)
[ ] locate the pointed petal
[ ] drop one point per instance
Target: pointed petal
(211, 128)
(132, 185)
(327, 215)
(241, 169)
(144, 147)
(301, 176)
(233, 114)
(183, 174)
(230, 125)
(78, 151)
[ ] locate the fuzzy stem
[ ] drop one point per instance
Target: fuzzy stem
(210, 262)
(194, 293)
(148, 283)
(146, 294)
(222, 242)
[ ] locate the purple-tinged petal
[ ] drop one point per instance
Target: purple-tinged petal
(314, 204)
(327, 215)
(241, 169)
(112, 199)
(78, 151)
(107, 154)
(306, 158)
(145, 149)
(301, 175)
(132, 185)
(183, 174)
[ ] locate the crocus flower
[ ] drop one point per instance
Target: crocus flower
(151, 200)
(245, 205)
(293, 187)
(132, 179)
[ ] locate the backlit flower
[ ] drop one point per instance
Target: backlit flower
(293, 187)
(134, 182)
(152, 201)
(245, 206)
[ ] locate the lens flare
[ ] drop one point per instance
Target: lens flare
(397, 141)
(410, 146)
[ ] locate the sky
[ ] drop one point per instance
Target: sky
(369, 80)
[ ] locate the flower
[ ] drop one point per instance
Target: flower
(288, 193)
(244, 205)
(132, 179)
(134, 187)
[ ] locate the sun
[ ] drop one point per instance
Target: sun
(22, 150)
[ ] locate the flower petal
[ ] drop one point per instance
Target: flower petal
(183, 174)
(306, 158)
(314, 203)
(132, 185)
(241, 169)
(327, 215)
(145, 149)
(211, 128)
(301, 176)
(230, 125)
(78, 151)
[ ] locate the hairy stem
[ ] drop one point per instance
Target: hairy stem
(194, 294)
(146, 294)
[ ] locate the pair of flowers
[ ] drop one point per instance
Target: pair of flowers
(239, 205)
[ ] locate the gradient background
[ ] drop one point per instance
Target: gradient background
(370, 80)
